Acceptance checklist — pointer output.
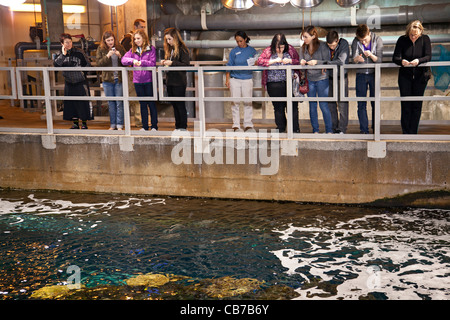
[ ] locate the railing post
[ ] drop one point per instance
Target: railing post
(126, 102)
(376, 125)
(289, 103)
(201, 102)
(48, 105)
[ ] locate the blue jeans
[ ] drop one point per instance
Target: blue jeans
(319, 89)
(146, 90)
(114, 89)
(362, 82)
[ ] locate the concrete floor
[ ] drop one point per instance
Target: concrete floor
(16, 117)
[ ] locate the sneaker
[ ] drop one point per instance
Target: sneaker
(142, 129)
(153, 129)
(248, 128)
(84, 126)
(75, 126)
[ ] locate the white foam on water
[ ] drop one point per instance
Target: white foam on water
(404, 258)
(20, 211)
(69, 208)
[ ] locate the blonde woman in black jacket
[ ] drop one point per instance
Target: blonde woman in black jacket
(176, 54)
(411, 50)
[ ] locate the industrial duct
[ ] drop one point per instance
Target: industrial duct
(428, 13)
(21, 47)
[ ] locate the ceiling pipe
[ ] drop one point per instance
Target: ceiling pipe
(21, 47)
(402, 15)
(264, 42)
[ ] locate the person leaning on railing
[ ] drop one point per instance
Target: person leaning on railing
(142, 54)
(279, 53)
(240, 82)
(109, 54)
(411, 50)
(367, 48)
(75, 82)
(176, 54)
(315, 52)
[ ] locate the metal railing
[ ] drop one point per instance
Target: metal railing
(200, 98)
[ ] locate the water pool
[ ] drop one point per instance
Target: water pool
(211, 249)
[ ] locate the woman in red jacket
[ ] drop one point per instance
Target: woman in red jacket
(411, 50)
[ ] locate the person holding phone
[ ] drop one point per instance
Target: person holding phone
(109, 54)
(142, 54)
(75, 82)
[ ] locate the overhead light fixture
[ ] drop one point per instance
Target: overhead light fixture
(304, 4)
(263, 3)
(237, 4)
(113, 2)
(9, 3)
(279, 1)
(347, 3)
(29, 7)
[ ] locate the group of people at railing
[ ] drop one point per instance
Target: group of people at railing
(411, 50)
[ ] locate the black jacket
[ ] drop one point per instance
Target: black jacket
(178, 78)
(406, 49)
(74, 58)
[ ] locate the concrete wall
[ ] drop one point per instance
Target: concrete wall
(321, 171)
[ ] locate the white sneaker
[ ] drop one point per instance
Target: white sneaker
(153, 129)
(142, 129)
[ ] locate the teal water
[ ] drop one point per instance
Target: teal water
(294, 250)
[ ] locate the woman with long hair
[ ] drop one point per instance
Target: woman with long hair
(109, 54)
(411, 50)
(176, 54)
(315, 52)
(142, 54)
(279, 53)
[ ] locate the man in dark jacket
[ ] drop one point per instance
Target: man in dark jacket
(127, 40)
(339, 54)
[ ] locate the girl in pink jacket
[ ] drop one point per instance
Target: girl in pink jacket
(142, 54)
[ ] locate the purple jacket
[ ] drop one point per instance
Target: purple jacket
(148, 59)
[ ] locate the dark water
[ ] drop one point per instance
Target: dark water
(287, 250)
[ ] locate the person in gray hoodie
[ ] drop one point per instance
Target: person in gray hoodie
(314, 52)
(367, 48)
(339, 55)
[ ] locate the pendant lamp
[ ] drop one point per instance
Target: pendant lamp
(279, 1)
(347, 3)
(303, 4)
(113, 2)
(9, 3)
(263, 3)
(237, 4)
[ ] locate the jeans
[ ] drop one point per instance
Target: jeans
(339, 122)
(364, 80)
(278, 89)
(146, 90)
(320, 89)
(114, 89)
(179, 107)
